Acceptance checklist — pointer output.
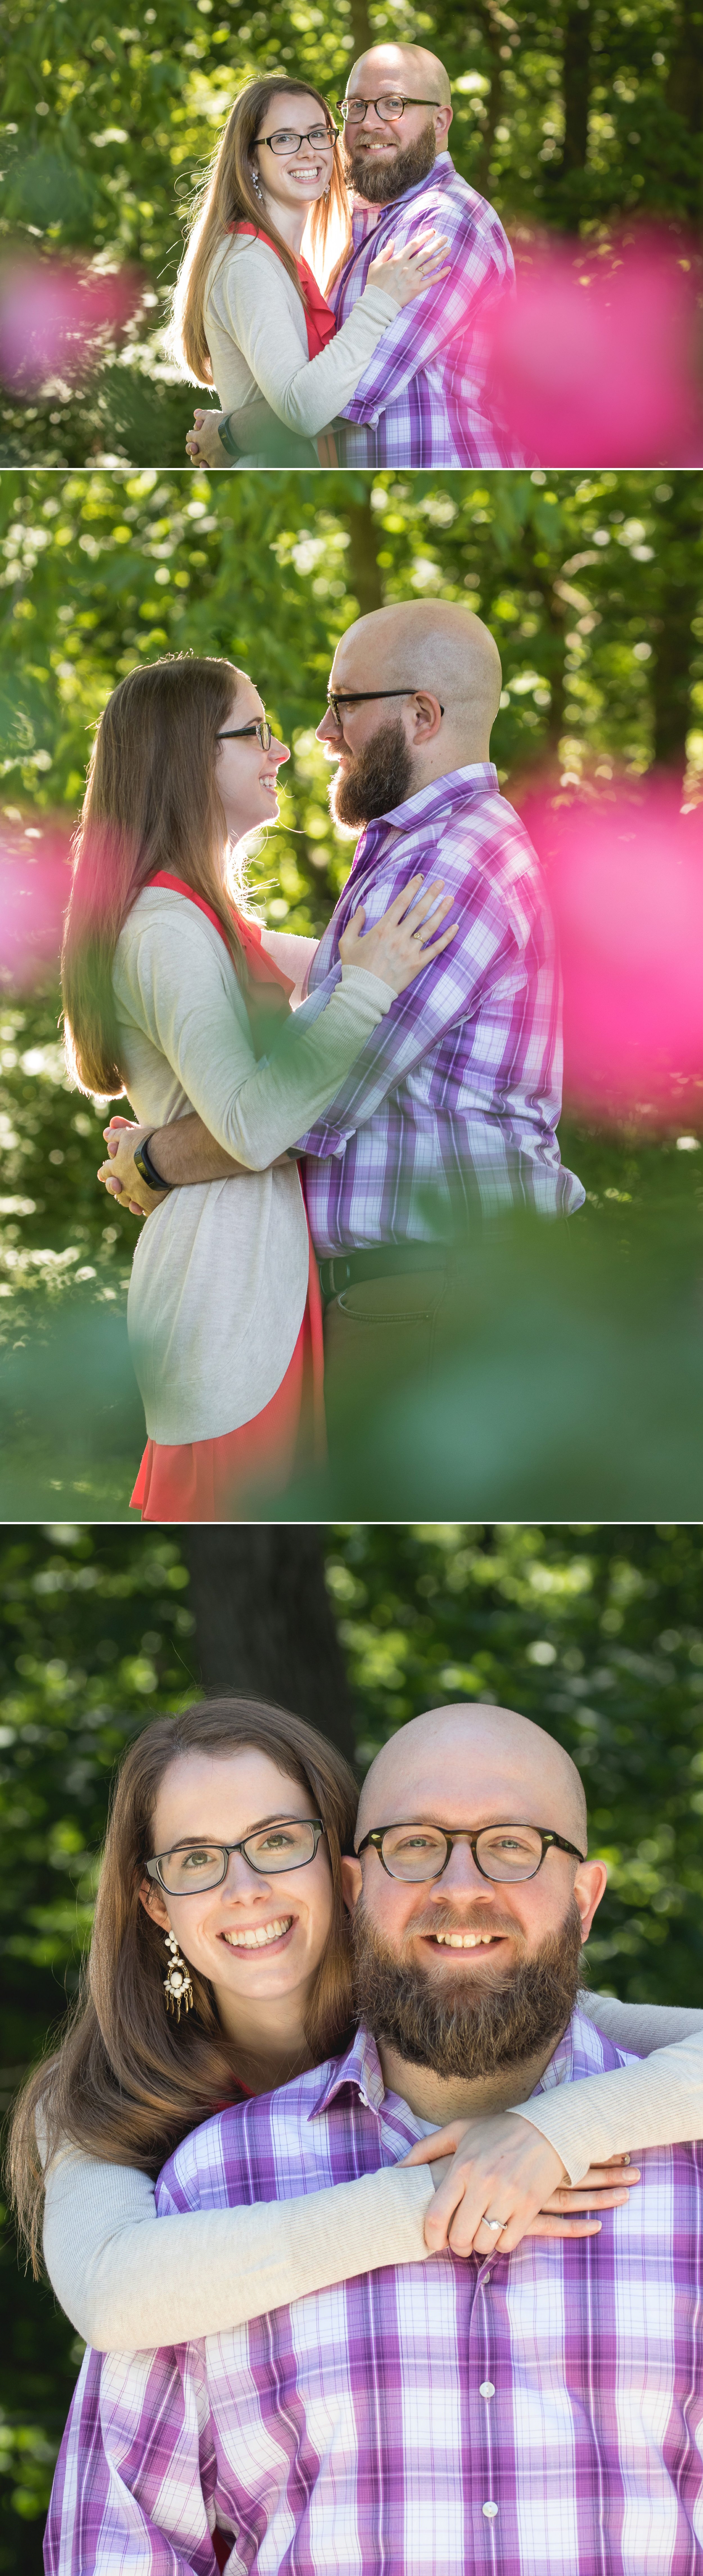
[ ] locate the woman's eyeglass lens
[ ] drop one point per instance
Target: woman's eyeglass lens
(389, 110)
(203, 1865)
(503, 1852)
(262, 730)
(282, 141)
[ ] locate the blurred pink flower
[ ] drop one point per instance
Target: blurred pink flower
(53, 313)
(625, 870)
(598, 360)
(35, 881)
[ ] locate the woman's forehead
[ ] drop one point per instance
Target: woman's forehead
(202, 1788)
(282, 99)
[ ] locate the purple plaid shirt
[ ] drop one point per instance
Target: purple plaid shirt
(423, 399)
(455, 1098)
(527, 2415)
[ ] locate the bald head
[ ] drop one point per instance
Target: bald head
(408, 68)
(474, 1765)
(431, 644)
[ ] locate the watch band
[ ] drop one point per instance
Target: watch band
(147, 1169)
(226, 440)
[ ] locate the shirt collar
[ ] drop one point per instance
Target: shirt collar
(442, 794)
(438, 177)
(361, 2067)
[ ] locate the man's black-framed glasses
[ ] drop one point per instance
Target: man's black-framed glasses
(261, 728)
(502, 1852)
(283, 141)
(190, 1867)
(337, 698)
(389, 110)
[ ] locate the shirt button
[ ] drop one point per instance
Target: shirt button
(490, 2511)
(487, 2388)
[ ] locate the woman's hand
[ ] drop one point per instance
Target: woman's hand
(402, 942)
(204, 440)
(504, 2168)
(119, 1175)
(409, 272)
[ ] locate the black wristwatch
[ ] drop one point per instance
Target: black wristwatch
(228, 442)
(147, 1169)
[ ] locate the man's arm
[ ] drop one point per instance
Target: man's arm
(183, 1152)
(134, 2470)
(461, 306)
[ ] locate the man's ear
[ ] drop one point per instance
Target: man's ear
(589, 1886)
(352, 1879)
(442, 121)
(428, 718)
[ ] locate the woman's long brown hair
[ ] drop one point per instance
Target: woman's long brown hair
(227, 197)
(151, 802)
(127, 2083)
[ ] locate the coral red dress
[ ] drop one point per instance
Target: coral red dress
(217, 1479)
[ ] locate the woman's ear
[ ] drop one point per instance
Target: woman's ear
(152, 1900)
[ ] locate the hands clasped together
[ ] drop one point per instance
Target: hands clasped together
(502, 2169)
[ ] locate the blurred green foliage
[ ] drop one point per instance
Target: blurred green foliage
(570, 113)
(595, 1631)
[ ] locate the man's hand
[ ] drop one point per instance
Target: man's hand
(503, 2168)
(119, 1173)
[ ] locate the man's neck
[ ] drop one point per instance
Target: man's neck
(441, 2098)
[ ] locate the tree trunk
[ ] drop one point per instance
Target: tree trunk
(364, 576)
(486, 17)
(264, 1625)
(576, 78)
(362, 31)
(685, 83)
(677, 597)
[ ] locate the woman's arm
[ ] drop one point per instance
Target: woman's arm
(653, 2104)
(257, 307)
(126, 2282)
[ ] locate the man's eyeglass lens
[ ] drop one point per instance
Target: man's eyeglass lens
(416, 1852)
(389, 110)
(262, 730)
(203, 1865)
(282, 141)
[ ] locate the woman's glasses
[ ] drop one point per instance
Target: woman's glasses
(389, 110)
(261, 728)
(282, 141)
(193, 1867)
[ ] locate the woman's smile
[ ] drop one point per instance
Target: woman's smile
(266, 1936)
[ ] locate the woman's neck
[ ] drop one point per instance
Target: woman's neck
(270, 2054)
(289, 221)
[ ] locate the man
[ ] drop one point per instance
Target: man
(423, 400)
(451, 1109)
(537, 2411)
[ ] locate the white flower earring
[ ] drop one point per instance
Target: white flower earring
(258, 190)
(177, 1985)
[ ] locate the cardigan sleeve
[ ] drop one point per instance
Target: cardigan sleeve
(126, 2278)
(176, 983)
(258, 302)
(653, 2104)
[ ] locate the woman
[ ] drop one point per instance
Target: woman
(248, 312)
(134, 2075)
(171, 993)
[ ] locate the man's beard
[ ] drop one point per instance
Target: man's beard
(380, 181)
(375, 780)
(467, 2028)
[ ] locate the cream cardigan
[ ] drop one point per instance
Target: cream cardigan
(220, 1273)
(257, 338)
(125, 2282)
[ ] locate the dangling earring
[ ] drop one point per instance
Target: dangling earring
(177, 1986)
(258, 191)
